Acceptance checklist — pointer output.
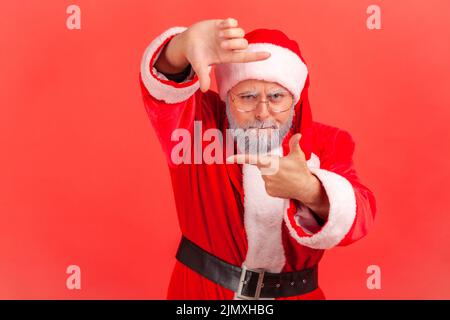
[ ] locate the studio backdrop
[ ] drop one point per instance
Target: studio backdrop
(84, 186)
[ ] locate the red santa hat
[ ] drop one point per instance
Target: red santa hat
(285, 66)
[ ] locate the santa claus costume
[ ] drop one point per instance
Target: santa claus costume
(224, 208)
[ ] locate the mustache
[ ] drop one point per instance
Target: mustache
(257, 124)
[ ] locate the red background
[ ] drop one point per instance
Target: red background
(83, 180)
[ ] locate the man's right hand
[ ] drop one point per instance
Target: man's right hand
(206, 43)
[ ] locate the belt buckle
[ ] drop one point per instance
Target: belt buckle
(259, 284)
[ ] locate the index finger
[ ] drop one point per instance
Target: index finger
(242, 56)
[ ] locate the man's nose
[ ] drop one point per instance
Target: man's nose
(262, 111)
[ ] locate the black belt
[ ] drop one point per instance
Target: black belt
(248, 283)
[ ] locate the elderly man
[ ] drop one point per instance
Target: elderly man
(247, 234)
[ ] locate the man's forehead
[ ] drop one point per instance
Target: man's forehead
(255, 85)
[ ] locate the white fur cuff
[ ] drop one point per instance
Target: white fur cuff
(157, 85)
(341, 216)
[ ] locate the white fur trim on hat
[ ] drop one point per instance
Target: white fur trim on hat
(283, 66)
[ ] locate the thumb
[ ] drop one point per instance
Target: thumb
(294, 145)
(203, 76)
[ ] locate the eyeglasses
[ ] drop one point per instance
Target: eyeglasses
(277, 102)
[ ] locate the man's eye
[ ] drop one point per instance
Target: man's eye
(248, 97)
(277, 96)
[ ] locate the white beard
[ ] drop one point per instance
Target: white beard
(253, 141)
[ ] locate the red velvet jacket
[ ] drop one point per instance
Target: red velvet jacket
(224, 208)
